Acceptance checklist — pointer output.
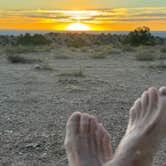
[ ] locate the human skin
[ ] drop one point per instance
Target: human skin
(87, 142)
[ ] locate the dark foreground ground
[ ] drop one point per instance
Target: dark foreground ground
(35, 104)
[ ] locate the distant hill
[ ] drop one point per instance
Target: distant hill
(18, 32)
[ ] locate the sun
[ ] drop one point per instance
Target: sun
(78, 27)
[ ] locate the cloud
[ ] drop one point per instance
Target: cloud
(90, 16)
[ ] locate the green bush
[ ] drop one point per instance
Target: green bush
(140, 36)
(35, 39)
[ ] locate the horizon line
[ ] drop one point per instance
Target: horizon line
(76, 30)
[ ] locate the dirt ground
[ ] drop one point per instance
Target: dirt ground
(35, 104)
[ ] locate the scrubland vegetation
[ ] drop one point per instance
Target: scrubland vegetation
(140, 36)
(140, 43)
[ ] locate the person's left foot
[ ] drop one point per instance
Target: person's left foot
(87, 142)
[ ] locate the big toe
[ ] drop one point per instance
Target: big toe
(73, 123)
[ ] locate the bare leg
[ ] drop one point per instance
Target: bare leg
(146, 128)
(87, 143)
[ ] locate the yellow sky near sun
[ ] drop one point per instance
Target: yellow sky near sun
(96, 20)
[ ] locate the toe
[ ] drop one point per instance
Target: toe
(153, 98)
(138, 108)
(162, 91)
(144, 101)
(93, 138)
(99, 136)
(107, 148)
(84, 124)
(93, 125)
(74, 122)
(72, 129)
(132, 115)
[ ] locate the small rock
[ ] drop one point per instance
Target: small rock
(37, 67)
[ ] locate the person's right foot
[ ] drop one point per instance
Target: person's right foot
(146, 128)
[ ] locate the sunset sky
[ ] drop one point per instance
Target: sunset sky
(82, 14)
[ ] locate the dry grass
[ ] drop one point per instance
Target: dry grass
(61, 53)
(107, 49)
(128, 48)
(17, 55)
(98, 55)
(102, 52)
(146, 55)
(19, 49)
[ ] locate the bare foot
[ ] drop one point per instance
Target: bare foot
(146, 128)
(87, 143)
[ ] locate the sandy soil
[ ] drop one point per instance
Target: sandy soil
(35, 104)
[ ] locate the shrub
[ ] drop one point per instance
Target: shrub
(14, 57)
(18, 59)
(29, 40)
(108, 48)
(98, 55)
(145, 55)
(140, 36)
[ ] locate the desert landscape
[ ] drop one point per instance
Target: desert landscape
(45, 78)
